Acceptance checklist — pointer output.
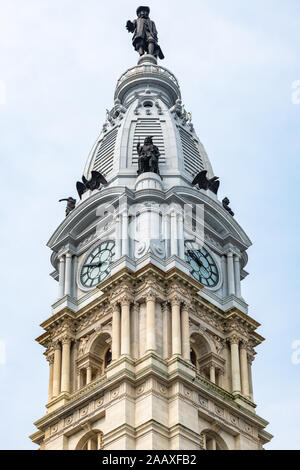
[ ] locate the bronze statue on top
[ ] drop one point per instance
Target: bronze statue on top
(145, 39)
(148, 157)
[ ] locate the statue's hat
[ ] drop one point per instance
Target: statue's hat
(142, 8)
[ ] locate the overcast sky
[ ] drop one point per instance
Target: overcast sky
(236, 62)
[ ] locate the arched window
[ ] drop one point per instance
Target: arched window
(212, 441)
(92, 364)
(108, 358)
(93, 440)
(193, 358)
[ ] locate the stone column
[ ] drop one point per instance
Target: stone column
(74, 277)
(224, 272)
(150, 322)
(61, 278)
(117, 220)
(235, 365)
(174, 235)
(56, 369)
(211, 444)
(135, 330)
(250, 359)
(176, 327)
(212, 374)
(116, 332)
(244, 370)
(68, 280)
(125, 326)
(202, 441)
(230, 273)
(78, 379)
(99, 441)
(221, 378)
(181, 236)
(166, 222)
(51, 364)
(66, 362)
(166, 329)
(185, 332)
(237, 275)
(92, 444)
(88, 375)
(125, 235)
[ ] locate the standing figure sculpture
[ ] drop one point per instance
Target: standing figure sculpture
(145, 39)
(148, 157)
(71, 204)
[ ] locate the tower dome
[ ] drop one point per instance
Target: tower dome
(148, 103)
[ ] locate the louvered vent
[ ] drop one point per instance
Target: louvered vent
(105, 156)
(192, 159)
(145, 128)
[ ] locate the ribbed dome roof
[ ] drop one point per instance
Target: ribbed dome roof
(148, 103)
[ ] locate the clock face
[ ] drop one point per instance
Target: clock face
(202, 266)
(97, 265)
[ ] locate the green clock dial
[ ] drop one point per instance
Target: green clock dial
(96, 267)
(202, 266)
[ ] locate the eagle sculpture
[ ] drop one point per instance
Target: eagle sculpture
(204, 183)
(94, 183)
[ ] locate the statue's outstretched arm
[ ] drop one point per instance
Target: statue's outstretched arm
(130, 26)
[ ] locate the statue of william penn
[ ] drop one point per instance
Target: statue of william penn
(145, 38)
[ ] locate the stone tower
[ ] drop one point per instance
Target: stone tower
(150, 345)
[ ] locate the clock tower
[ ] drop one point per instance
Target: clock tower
(150, 343)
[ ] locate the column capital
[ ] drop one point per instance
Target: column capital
(50, 357)
(250, 356)
(234, 339)
(136, 305)
(176, 301)
(56, 344)
(151, 296)
(165, 305)
(115, 306)
(126, 300)
(66, 339)
(186, 305)
(244, 344)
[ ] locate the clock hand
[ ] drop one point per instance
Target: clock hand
(197, 260)
(194, 257)
(94, 265)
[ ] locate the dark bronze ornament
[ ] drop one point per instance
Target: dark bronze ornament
(226, 203)
(148, 157)
(203, 183)
(71, 203)
(94, 183)
(145, 38)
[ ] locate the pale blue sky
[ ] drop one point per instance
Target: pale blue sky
(236, 62)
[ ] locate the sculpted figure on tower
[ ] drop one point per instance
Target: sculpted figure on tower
(148, 157)
(145, 39)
